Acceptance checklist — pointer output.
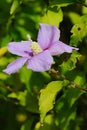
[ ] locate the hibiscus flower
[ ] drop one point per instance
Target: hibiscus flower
(38, 55)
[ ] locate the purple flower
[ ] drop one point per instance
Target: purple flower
(38, 55)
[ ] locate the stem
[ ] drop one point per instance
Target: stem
(82, 2)
(58, 74)
(8, 88)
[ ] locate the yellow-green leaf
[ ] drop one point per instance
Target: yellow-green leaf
(21, 96)
(47, 98)
(3, 50)
(14, 6)
(52, 17)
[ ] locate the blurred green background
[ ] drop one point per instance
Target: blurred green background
(19, 93)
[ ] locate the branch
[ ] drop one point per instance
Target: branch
(82, 2)
(58, 74)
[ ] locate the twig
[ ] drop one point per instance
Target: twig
(65, 78)
(7, 87)
(83, 3)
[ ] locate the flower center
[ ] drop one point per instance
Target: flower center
(35, 47)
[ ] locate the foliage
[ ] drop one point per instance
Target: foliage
(50, 100)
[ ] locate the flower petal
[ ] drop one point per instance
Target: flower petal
(15, 66)
(40, 62)
(47, 35)
(20, 48)
(59, 48)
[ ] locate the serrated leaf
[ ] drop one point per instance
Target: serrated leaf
(79, 31)
(70, 64)
(47, 97)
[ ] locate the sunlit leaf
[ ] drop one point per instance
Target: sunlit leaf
(74, 17)
(14, 6)
(48, 124)
(70, 64)
(21, 96)
(3, 50)
(47, 97)
(3, 61)
(3, 76)
(79, 31)
(52, 17)
(84, 10)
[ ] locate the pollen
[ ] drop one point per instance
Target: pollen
(35, 47)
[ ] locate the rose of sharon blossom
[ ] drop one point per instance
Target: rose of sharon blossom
(38, 55)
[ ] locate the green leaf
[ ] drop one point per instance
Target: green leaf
(25, 76)
(34, 81)
(74, 17)
(79, 78)
(70, 64)
(49, 124)
(21, 96)
(3, 61)
(3, 76)
(66, 108)
(47, 97)
(3, 50)
(5, 40)
(61, 2)
(66, 105)
(27, 100)
(28, 124)
(84, 10)
(14, 6)
(79, 31)
(23, 32)
(32, 103)
(52, 17)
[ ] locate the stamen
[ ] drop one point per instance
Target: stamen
(35, 47)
